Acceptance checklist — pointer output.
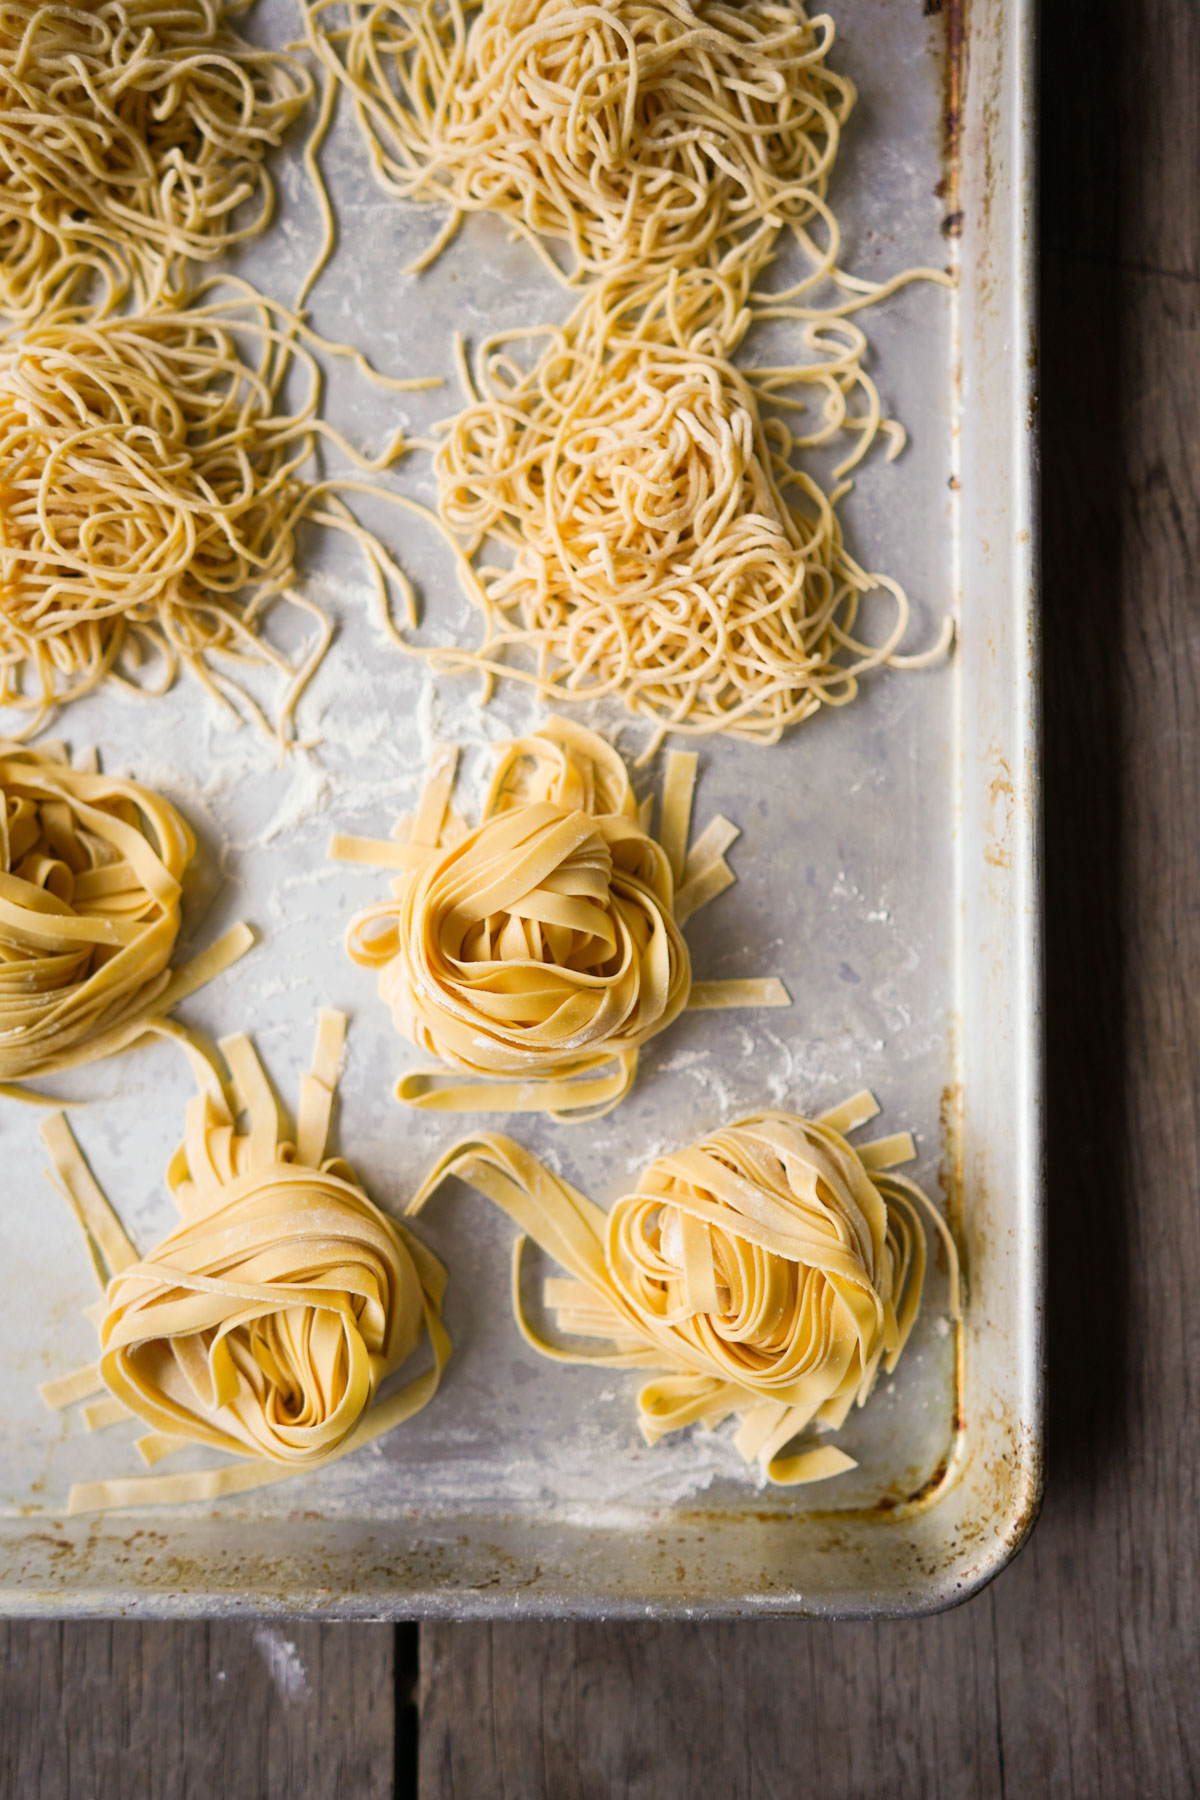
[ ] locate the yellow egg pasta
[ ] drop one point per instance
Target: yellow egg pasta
(543, 947)
(267, 1322)
(667, 542)
(669, 538)
(133, 136)
(632, 134)
(90, 880)
(152, 481)
(769, 1271)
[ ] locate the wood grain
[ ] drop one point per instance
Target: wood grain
(196, 1712)
(745, 1712)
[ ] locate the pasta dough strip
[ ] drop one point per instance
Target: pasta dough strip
(269, 1319)
(543, 948)
(720, 996)
(769, 1272)
(96, 1217)
(317, 1089)
(65, 1390)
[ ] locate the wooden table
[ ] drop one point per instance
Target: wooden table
(1075, 1674)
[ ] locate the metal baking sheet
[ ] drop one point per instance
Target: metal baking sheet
(888, 870)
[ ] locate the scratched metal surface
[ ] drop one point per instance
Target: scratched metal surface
(887, 870)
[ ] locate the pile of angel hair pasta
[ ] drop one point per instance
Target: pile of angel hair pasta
(90, 878)
(150, 496)
(667, 545)
(769, 1270)
(132, 135)
(267, 1322)
(635, 133)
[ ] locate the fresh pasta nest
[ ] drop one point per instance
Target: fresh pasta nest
(545, 943)
(634, 133)
(90, 880)
(667, 544)
(266, 1322)
(132, 133)
(770, 1271)
(150, 491)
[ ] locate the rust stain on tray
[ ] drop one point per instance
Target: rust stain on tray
(952, 14)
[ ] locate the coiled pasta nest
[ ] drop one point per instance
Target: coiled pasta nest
(769, 1270)
(90, 880)
(635, 133)
(150, 490)
(668, 544)
(544, 946)
(267, 1322)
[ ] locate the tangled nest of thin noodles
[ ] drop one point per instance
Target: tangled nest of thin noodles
(132, 134)
(637, 133)
(150, 490)
(667, 545)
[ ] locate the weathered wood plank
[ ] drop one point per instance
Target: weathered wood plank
(1099, 1625)
(749, 1712)
(197, 1712)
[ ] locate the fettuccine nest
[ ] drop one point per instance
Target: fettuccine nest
(543, 947)
(544, 942)
(90, 880)
(769, 1270)
(266, 1323)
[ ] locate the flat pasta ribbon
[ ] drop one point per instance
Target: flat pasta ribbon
(544, 946)
(90, 874)
(768, 1271)
(267, 1321)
